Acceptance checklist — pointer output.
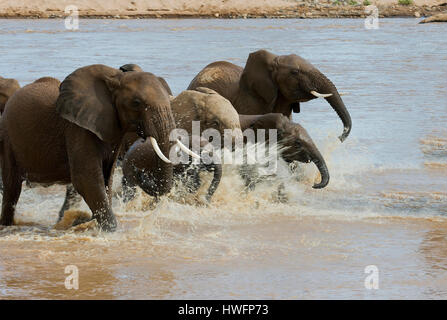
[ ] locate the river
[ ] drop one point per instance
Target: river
(385, 206)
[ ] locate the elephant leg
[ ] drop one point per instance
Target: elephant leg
(1, 183)
(90, 184)
(12, 187)
(71, 199)
(87, 177)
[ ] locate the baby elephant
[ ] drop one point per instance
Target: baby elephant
(295, 142)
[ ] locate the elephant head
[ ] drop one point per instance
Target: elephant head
(207, 106)
(296, 143)
(110, 103)
(134, 67)
(7, 89)
(282, 82)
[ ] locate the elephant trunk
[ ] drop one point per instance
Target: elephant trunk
(157, 130)
(217, 169)
(337, 104)
(322, 167)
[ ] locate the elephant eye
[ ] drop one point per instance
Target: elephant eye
(294, 72)
(136, 103)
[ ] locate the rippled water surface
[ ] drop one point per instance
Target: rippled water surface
(386, 204)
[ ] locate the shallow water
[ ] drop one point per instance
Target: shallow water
(386, 204)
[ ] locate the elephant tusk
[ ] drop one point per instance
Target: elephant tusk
(187, 151)
(158, 151)
(321, 95)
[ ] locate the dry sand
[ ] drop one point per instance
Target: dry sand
(210, 8)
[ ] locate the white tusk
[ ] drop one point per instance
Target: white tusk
(158, 151)
(343, 94)
(321, 95)
(186, 150)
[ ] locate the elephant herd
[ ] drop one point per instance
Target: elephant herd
(75, 132)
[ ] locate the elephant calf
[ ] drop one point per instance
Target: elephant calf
(294, 139)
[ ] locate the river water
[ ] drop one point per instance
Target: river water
(386, 204)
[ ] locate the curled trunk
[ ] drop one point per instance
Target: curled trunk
(324, 172)
(338, 105)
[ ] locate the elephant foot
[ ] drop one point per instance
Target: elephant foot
(6, 222)
(107, 224)
(89, 225)
(72, 218)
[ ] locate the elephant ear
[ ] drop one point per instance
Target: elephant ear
(165, 85)
(86, 99)
(258, 76)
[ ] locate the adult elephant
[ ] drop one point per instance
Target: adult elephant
(272, 84)
(73, 134)
(202, 106)
(72, 198)
(7, 89)
(295, 142)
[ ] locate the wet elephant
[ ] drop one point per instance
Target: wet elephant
(272, 84)
(295, 143)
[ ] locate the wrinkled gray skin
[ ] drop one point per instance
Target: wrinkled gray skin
(294, 139)
(271, 84)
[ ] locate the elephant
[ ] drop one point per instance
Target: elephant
(296, 143)
(203, 105)
(72, 198)
(7, 89)
(71, 132)
(141, 168)
(272, 84)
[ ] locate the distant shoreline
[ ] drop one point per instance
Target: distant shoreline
(306, 11)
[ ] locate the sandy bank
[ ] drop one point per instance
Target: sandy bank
(217, 8)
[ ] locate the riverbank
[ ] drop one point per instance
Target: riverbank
(125, 9)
